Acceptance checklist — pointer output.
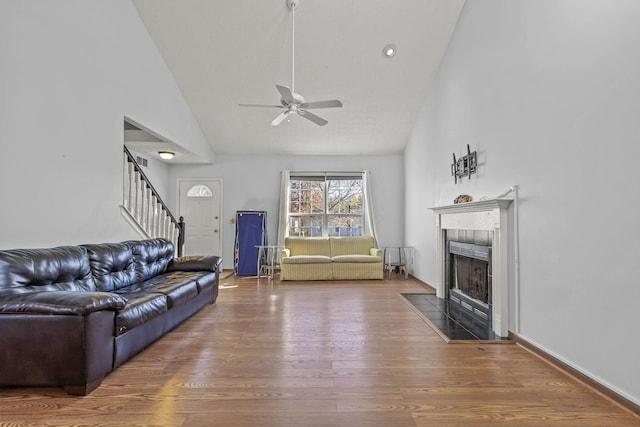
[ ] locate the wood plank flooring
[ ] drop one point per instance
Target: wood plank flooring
(319, 354)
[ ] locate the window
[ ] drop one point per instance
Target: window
(199, 191)
(325, 205)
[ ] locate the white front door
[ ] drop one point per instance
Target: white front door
(200, 204)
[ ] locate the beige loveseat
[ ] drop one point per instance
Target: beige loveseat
(330, 258)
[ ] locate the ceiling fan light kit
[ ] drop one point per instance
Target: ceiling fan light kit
(293, 103)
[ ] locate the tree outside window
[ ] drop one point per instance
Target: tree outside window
(326, 206)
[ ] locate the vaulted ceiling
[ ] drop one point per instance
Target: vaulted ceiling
(226, 52)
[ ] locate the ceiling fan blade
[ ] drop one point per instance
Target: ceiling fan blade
(334, 103)
(286, 94)
(280, 118)
(310, 116)
(260, 105)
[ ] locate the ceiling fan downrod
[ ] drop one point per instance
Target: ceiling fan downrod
(293, 4)
(290, 101)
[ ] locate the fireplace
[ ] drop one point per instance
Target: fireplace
(491, 218)
(469, 280)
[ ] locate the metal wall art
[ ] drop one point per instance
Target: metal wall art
(465, 165)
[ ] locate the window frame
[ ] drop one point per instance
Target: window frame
(326, 216)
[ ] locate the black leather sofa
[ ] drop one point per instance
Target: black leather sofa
(70, 315)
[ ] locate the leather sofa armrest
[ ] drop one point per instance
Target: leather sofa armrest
(76, 303)
(195, 263)
(375, 252)
(284, 253)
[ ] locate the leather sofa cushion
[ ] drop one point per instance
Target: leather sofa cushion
(141, 307)
(205, 281)
(306, 259)
(64, 268)
(357, 258)
(195, 263)
(151, 257)
(112, 265)
(178, 286)
(62, 302)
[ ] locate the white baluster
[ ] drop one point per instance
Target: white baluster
(143, 201)
(130, 186)
(159, 216)
(138, 197)
(149, 211)
(125, 183)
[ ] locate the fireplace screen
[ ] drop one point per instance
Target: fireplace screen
(469, 270)
(471, 277)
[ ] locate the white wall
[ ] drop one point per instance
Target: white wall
(548, 93)
(253, 182)
(69, 74)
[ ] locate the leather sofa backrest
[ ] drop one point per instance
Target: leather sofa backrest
(353, 245)
(151, 257)
(308, 246)
(64, 268)
(112, 265)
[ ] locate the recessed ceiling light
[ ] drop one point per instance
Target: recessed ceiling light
(389, 50)
(166, 155)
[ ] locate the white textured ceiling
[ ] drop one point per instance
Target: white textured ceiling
(223, 53)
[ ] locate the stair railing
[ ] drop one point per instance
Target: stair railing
(144, 209)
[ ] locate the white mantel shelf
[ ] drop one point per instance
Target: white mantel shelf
(490, 215)
(479, 206)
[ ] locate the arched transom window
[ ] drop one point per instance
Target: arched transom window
(199, 191)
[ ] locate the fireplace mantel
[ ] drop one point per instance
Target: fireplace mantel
(487, 215)
(479, 206)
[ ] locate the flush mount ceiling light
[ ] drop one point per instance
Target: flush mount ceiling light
(389, 50)
(166, 155)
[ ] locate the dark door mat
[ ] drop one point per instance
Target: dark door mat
(452, 323)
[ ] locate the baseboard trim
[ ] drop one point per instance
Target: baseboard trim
(226, 273)
(423, 283)
(577, 375)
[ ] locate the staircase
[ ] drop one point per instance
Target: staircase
(143, 208)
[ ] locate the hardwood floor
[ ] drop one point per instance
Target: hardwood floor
(320, 354)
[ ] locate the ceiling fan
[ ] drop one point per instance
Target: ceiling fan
(293, 103)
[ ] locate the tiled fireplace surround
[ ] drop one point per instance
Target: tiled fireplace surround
(483, 222)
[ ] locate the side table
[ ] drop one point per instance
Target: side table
(398, 259)
(268, 260)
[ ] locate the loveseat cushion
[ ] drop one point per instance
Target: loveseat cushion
(64, 268)
(357, 258)
(141, 307)
(306, 259)
(62, 302)
(308, 246)
(112, 265)
(351, 245)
